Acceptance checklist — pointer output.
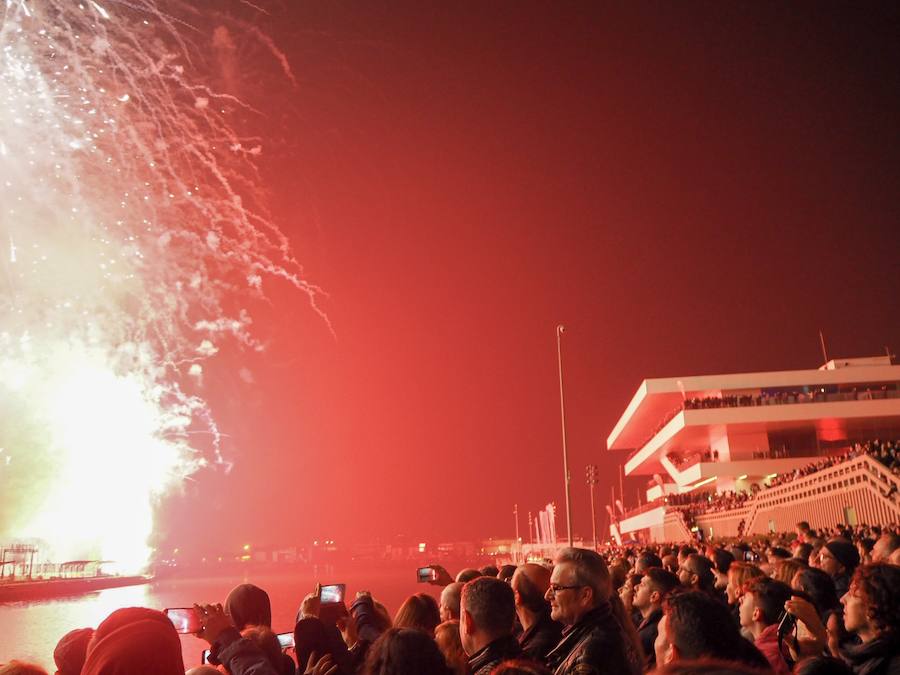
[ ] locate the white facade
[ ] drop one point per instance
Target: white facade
(729, 432)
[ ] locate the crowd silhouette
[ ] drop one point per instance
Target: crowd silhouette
(825, 601)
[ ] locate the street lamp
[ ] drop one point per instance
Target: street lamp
(591, 472)
(560, 329)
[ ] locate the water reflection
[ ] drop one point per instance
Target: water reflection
(31, 630)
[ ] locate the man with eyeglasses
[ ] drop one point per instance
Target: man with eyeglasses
(594, 640)
(839, 559)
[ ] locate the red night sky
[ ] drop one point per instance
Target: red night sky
(690, 188)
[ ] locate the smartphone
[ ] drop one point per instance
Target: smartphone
(185, 619)
(286, 640)
(204, 657)
(786, 623)
(426, 574)
(332, 594)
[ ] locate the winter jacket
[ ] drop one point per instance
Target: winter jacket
(498, 651)
(596, 644)
(541, 638)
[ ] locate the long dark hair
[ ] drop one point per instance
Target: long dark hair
(405, 651)
(631, 634)
(819, 586)
(419, 611)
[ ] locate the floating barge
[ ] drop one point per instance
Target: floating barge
(44, 589)
(42, 581)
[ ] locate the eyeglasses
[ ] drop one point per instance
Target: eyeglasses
(556, 588)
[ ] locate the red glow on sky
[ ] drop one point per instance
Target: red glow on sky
(690, 190)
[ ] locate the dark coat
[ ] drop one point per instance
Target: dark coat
(367, 630)
(501, 649)
(241, 656)
(596, 644)
(541, 638)
(311, 635)
(647, 630)
(881, 656)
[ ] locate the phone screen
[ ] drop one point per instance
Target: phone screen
(286, 640)
(204, 658)
(185, 619)
(332, 594)
(425, 574)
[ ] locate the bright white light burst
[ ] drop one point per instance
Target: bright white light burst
(132, 229)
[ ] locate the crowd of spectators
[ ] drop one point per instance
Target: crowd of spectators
(697, 503)
(824, 601)
(886, 452)
(814, 395)
(772, 398)
(693, 504)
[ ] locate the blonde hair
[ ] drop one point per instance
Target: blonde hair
(740, 572)
(786, 569)
(448, 641)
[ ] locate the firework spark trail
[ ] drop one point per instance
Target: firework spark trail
(132, 214)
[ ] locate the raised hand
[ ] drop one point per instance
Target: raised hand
(324, 666)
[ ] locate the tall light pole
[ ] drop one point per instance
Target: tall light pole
(530, 533)
(592, 482)
(560, 329)
(518, 548)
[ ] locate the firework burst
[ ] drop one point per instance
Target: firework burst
(130, 212)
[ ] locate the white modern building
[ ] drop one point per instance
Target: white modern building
(757, 435)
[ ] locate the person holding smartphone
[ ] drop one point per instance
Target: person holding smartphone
(242, 656)
(762, 605)
(319, 624)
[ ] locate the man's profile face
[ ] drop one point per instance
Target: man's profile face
(444, 608)
(662, 646)
(565, 603)
(515, 582)
(464, 637)
(748, 604)
(642, 593)
(880, 551)
(828, 563)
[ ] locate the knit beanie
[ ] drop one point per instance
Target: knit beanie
(71, 650)
(844, 552)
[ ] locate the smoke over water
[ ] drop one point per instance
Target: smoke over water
(130, 234)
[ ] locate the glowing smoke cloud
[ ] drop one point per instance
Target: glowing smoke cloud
(127, 203)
